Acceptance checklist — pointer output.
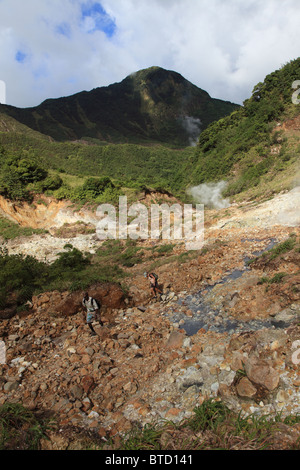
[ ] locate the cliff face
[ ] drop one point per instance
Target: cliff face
(44, 213)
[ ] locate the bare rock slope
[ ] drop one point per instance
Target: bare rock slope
(219, 331)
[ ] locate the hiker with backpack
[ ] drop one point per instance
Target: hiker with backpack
(93, 311)
(153, 278)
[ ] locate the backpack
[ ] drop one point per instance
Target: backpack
(155, 275)
(95, 303)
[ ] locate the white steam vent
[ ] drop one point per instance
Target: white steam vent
(193, 128)
(210, 194)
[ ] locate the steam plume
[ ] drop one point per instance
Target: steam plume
(210, 194)
(193, 128)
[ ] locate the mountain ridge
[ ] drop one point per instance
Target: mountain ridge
(152, 104)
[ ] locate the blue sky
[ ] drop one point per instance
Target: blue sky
(56, 48)
(98, 18)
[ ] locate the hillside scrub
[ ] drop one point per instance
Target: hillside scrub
(125, 165)
(239, 147)
(19, 277)
(22, 177)
(22, 276)
(148, 107)
(98, 190)
(16, 174)
(10, 230)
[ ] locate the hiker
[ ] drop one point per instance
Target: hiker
(153, 284)
(93, 311)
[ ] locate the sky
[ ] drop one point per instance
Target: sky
(54, 48)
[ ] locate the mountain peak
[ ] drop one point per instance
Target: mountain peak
(155, 77)
(153, 72)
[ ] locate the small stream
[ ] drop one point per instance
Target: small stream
(208, 318)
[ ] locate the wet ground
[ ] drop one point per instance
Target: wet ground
(205, 316)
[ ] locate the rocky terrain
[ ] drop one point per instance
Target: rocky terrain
(224, 328)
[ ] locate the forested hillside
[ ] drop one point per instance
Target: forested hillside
(254, 144)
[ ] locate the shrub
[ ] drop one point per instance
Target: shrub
(96, 186)
(72, 259)
(20, 275)
(51, 183)
(16, 174)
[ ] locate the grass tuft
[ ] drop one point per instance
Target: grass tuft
(20, 429)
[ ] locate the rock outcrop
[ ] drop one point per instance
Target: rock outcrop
(110, 295)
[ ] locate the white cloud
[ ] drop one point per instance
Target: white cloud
(223, 46)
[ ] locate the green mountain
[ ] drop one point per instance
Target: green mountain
(254, 149)
(152, 105)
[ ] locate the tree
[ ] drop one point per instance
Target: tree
(97, 185)
(16, 173)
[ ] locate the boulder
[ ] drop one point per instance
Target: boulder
(262, 373)
(67, 304)
(245, 388)
(175, 340)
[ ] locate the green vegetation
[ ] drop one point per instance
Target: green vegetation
(164, 249)
(19, 277)
(137, 139)
(21, 177)
(20, 429)
(245, 148)
(23, 276)
(98, 190)
(288, 245)
(115, 251)
(212, 427)
(210, 415)
(126, 165)
(272, 258)
(283, 247)
(16, 174)
(10, 230)
(276, 279)
(169, 258)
